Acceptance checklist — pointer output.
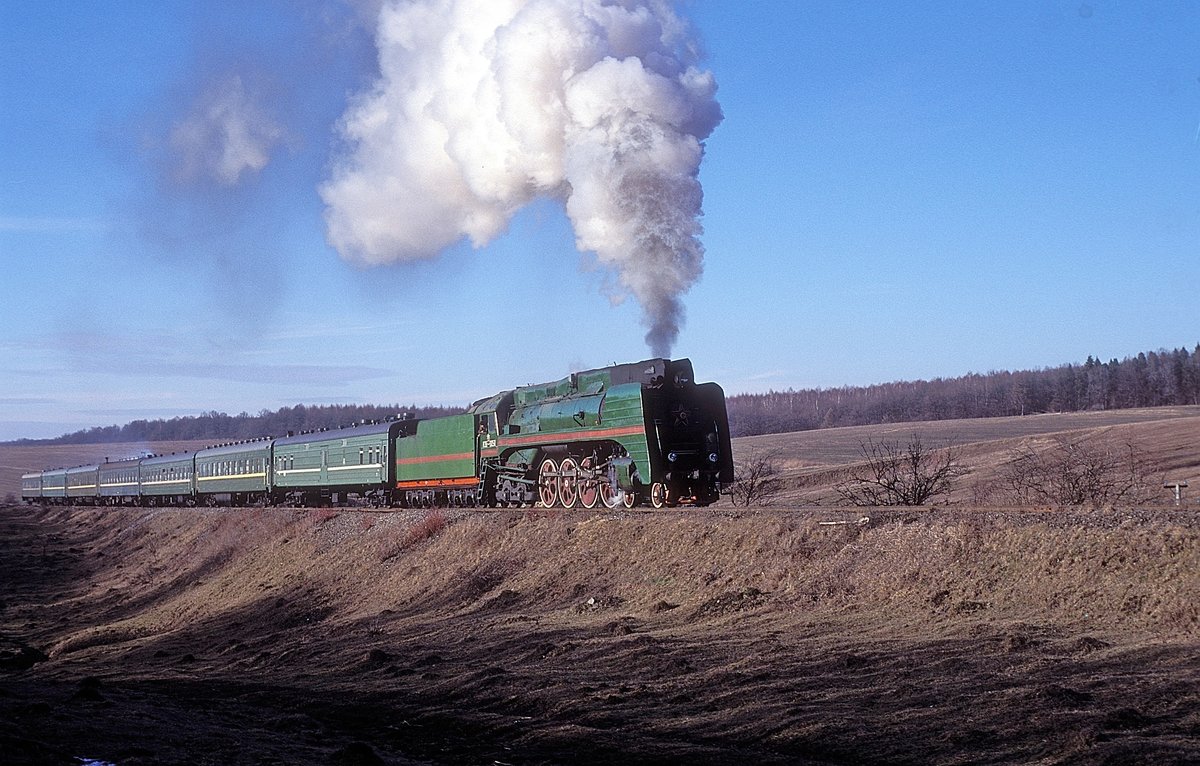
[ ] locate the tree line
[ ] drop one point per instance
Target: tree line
(219, 426)
(1151, 379)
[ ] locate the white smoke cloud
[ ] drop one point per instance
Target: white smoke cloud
(227, 132)
(484, 105)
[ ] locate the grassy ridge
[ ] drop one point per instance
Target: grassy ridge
(948, 636)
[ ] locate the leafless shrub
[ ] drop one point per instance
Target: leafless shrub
(987, 493)
(756, 478)
(902, 475)
(427, 527)
(434, 522)
(1077, 473)
(323, 515)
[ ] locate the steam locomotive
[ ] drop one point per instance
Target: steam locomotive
(624, 435)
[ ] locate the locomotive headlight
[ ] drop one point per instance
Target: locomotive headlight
(712, 457)
(672, 457)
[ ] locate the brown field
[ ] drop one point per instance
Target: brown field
(802, 635)
(813, 461)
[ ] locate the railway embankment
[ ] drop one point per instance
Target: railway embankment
(804, 635)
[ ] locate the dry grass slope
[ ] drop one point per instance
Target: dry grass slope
(916, 636)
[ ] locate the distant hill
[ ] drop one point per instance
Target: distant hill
(1154, 379)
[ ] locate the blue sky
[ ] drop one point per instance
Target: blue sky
(895, 191)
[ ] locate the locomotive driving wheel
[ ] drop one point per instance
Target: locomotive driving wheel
(568, 482)
(548, 483)
(589, 485)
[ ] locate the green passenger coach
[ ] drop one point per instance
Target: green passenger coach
(119, 482)
(168, 479)
(326, 467)
(83, 484)
(54, 486)
(234, 474)
(31, 487)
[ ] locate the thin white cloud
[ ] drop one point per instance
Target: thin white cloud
(46, 224)
(157, 355)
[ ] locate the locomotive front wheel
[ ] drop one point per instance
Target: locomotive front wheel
(568, 482)
(548, 483)
(658, 494)
(589, 487)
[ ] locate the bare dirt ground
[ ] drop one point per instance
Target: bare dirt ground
(949, 636)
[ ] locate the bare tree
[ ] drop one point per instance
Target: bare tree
(1076, 472)
(902, 475)
(756, 478)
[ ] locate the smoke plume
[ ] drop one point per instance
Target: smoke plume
(484, 105)
(225, 134)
